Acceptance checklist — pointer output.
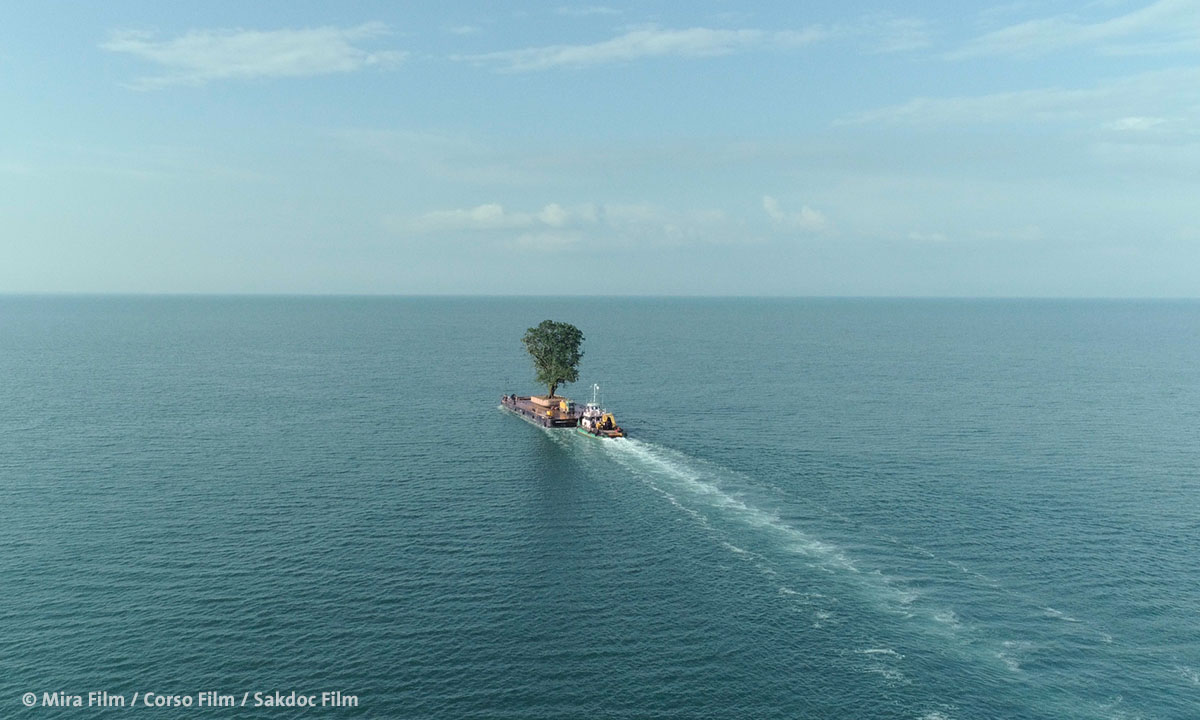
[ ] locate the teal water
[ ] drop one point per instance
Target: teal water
(828, 509)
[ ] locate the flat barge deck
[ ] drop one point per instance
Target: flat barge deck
(556, 412)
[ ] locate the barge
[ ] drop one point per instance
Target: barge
(561, 412)
(549, 412)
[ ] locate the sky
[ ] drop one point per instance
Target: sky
(850, 148)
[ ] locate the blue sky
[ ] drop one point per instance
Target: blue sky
(932, 148)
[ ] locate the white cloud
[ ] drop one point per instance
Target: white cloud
(201, 56)
(558, 227)
(645, 43)
(1025, 105)
(490, 216)
(880, 33)
(1163, 26)
(554, 215)
(1162, 93)
(806, 219)
(493, 216)
(1136, 124)
(771, 205)
(482, 217)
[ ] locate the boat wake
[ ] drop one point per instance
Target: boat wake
(722, 501)
(788, 542)
(711, 484)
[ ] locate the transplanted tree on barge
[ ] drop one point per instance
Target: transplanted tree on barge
(555, 348)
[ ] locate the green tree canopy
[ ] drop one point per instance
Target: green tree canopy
(554, 347)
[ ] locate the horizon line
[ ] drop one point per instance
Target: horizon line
(617, 296)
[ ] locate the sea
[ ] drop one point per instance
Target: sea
(278, 507)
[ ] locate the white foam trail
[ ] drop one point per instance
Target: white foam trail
(1190, 673)
(704, 482)
(710, 494)
(735, 549)
(884, 661)
(890, 674)
(1009, 662)
(1051, 612)
(698, 516)
(1013, 652)
(949, 618)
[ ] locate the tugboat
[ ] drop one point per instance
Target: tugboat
(598, 422)
(549, 412)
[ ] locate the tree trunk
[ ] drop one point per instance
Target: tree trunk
(553, 387)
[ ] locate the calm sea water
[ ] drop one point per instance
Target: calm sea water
(829, 509)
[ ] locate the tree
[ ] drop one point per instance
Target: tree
(555, 350)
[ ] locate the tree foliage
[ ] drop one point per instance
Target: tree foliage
(555, 349)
